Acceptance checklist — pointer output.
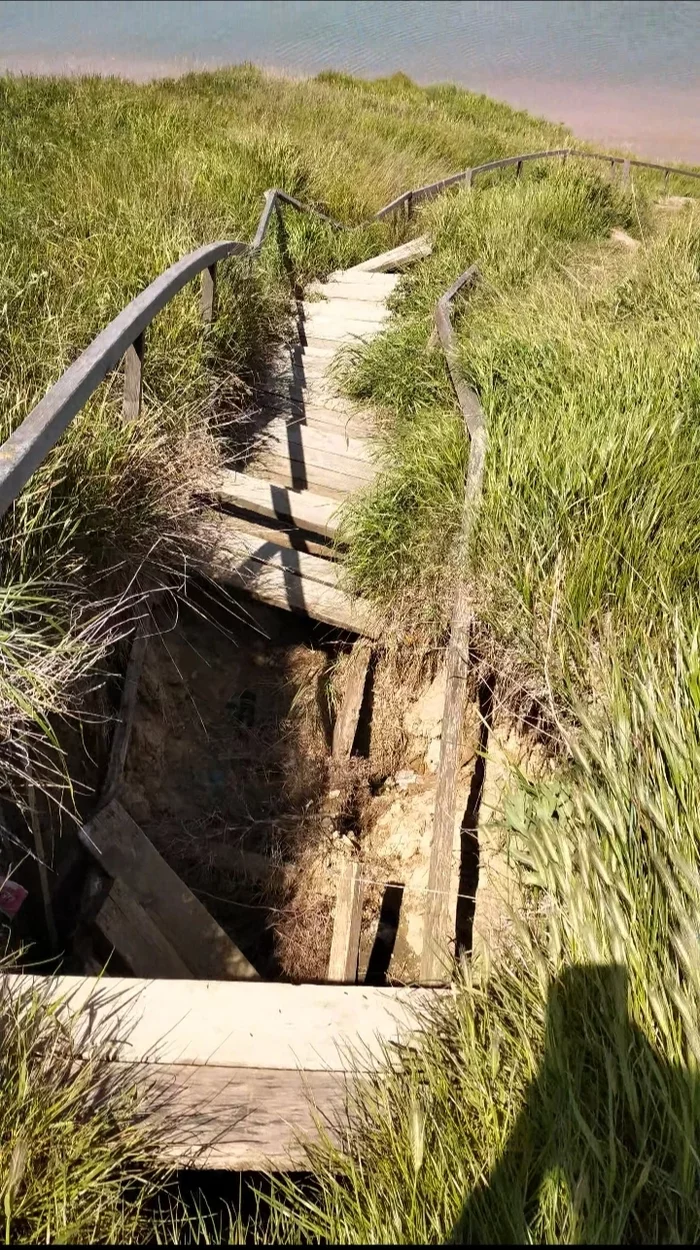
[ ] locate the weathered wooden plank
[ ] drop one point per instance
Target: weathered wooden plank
(396, 258)
(282, 588)
(136, 938)
(127, 709)
(231, 1024)
(246, 1119)
(439, 922)
(133, 379)
(346, 724)
(310, 512)
(347, 926)
(278, 473)
(124, 852)
(373, 288)
(305, 473)
(323, 350)
(227, 542)
(366, 311)
(341, 420)
(304, 441)
(207, 299)
(25, 449)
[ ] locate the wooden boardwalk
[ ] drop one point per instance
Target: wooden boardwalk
(272, 529)
(230, 1074)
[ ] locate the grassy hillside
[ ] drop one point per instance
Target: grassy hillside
(555, 1099)
(102, 185)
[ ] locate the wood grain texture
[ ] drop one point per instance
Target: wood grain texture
(132, 933)
(439, 929)
(245, 1119)
(230, 545)
(347, 926)
(310, 512)
(306, 473)
(345, 726)
(322, 446)
(125, 853)
(207, 298)
(283, 588)
(231, 1024)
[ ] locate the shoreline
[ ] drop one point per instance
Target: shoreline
(655, 123)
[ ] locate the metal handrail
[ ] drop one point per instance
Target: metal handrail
(22, 453)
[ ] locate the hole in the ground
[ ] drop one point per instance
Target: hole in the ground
(469, 841)
(385, 941)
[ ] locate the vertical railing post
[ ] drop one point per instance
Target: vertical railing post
(207, 302)
(625, 173)
(409, 206)
(133, 380)
(667, 175)
(467, 178)
(564, 158)
(518, 169)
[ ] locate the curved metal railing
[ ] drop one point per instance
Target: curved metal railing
(22, 453)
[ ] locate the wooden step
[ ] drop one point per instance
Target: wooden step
(312, 513)
(332, 329)
(284, 578)
(229, 1079)
(372, 312)
(235, 546)
(356, 290)
(380, 285)
(278, 473)
(305, 441)
(124, 852)
(309, 475)
(341, 416)
(396, 258)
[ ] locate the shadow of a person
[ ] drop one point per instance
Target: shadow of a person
(606, 1128)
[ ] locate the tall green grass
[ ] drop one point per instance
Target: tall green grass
(74, 1164)
(585, 359)
(102, 185)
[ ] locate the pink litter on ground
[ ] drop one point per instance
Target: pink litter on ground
(12, 896)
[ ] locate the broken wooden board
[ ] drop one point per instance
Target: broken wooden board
(284, 588)
(126, 854)
(347, 926)
(345, 726)
(128, 928)
(396, 258)
(232, 544)
(310, 512)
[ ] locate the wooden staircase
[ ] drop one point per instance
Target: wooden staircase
(272, 527)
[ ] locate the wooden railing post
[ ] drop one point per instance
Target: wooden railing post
(207, 301)
(667, 176)
(625, 173)
(133, 380)
(468, 174)
(518, 169)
